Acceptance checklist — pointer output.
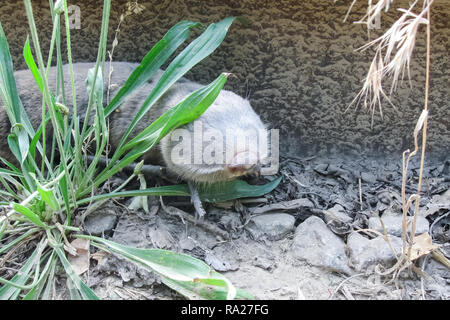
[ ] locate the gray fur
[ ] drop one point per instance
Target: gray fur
(229, 111)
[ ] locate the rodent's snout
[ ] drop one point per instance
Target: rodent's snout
(243, 163)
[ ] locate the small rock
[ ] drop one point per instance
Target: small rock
(338, 220)
(160, 237)
(368, 177)
(393, 225)
(316, 244)
(337, 213)
(99, 223)
(186, 243)
(365, 253)
(230, 222)
(264, 263)
(218, 264)
(274, 226)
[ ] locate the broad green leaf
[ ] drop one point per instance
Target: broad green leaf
(218, 192)
(153, 61)
(23, 141)
(197, 290)
(29, 214)
(14, 146)
(235, 189)
(176, 266)
(98, 98)
(184, 112)
(98, 90)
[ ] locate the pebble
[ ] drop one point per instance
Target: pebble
(273, 226)
(315, 243)
(99, 223)
(365, 253)
(337, 213)
(393, 225)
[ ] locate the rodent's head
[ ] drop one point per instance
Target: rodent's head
(228, 141)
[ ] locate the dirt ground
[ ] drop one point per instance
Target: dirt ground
(263, 260)
(296, 64)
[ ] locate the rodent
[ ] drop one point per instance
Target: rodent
(229, 113)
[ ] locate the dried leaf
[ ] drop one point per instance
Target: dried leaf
(422, 245)
(80, 262)
(100, 256)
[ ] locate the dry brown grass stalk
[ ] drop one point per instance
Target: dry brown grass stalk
(393, 54)
(133, 7)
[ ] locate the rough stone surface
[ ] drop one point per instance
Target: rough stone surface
(393, 225)
(273, 226)
(337, 213)
(365, 253)
(100, 223)
(316, 244)
(296, 63)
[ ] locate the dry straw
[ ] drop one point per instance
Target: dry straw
(392, 59)
(393, 52)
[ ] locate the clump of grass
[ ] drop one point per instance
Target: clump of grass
(39, 199)
(392, 59)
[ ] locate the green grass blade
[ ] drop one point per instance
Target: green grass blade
(8, 88)
(85, 292)
(33, 217)
(10, 173)
(153, 61)
(14, 146)
(195, 52)
(11, 244)
(49, 197)
(177, 190)
(48, 270)
(186, 111)
(64, 188)
(12, 288)
(32, 64)
(50, 281)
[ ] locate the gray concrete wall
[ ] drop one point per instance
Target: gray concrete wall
(294, 59)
